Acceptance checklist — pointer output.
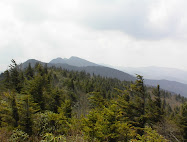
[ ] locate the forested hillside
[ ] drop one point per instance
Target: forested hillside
(78, 64)
(45, 103)
(171, 86)
(97, 70)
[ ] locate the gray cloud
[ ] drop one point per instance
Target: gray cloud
(145, 19)
(136, 18)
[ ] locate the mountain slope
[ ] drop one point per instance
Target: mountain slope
(73, 61)
(97, 70)
(171, 86)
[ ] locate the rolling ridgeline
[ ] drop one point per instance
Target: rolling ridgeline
(72, 100)
(78, 64)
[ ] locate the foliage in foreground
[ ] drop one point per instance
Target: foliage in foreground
(51, 104)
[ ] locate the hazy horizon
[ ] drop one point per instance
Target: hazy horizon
(122, 68)
(122, 33)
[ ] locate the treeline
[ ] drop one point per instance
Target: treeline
(52, 104)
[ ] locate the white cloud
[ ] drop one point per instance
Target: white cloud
(116, 32)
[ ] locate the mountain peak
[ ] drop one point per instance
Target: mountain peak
(59, 58)
(74, 57)
(77, 58)
(73, 61)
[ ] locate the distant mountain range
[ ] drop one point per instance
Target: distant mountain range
(158, 73)
(96, 69)
(172, 86)
(78, 64)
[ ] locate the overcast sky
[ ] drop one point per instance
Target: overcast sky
(133, 33)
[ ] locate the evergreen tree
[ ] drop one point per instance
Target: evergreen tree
(183, 121)
(6, 117)
(56, 104)
(14, 73)
(138, 89)
(126, 106)
(15, 114)
(66, 109)
(27, 108)
(97, 100)
(7, 80)
(29, 72)
(35, 88)
(45, 69)
(158, 112)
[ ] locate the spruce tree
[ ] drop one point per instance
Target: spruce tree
(183, 121)
(66, 109)
(14, 79)
(29, 72)
(35, 88)
(27, 108)
(56, 103)
(138, 90)
(157, 104)
(15, 114)
(7, 79)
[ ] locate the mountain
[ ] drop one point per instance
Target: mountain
(97, 70)
(170, 79)
(172, 86)
(109, 72)
(32, 62)
(73, 61)
(158, 73)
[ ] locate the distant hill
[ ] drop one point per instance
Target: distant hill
(158, 73)
(73, 61)
(170, 79)
(97, 70)
(171, 86)
(31, 61)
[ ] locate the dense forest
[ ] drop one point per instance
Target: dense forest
(49, 104)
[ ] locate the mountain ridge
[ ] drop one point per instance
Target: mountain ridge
(172, 86)
(97, 70)
(74, 61)
(157, 73)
